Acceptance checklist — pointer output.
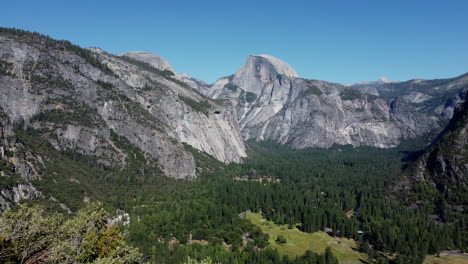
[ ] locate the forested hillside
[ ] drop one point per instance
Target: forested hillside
(439, 174)
(109, 159)
(339, 190)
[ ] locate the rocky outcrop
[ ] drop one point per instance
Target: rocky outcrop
(154, 60)
(161, 64)
(119, 111)
(190, 118)
(259, 70)
(273, 103)
(373, 84)
(436, 98)
(444, 163)
(80, 100)
(12, 195)
(195, 83)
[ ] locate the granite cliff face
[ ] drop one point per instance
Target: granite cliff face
(381, 81)
(273, 103)
(154, 60)
(444, 163)
(99, 105)
(133, 118)
(438, 96)
(162, 64)
(437, 179)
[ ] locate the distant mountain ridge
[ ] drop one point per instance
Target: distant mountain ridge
(131, 118)
(273, 103)
(438, 178)
(162, 64)
(154, 60)
(380, 81)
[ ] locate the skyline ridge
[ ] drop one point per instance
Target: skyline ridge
(341, 42)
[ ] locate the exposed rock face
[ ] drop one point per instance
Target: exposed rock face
(259, 70)
(273, 103)
(78, 99)
(12, 189)
(12, 195)
(412, 123)
(381, 81)
(161, 64)
(114, 108)
(444, 163)
(154, 60)
(212, 129)
(369, 90)
(195, 83)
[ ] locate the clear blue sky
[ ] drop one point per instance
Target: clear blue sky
(341, 41)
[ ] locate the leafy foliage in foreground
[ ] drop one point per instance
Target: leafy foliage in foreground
(28, 234)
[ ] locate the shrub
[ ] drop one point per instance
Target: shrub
(231, 87)
(281, 239)
(314, 90)
(28, 234)
(201, 106)
(250, 97)
(350, 94)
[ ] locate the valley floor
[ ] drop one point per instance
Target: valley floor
(448, 257)
(299, 242)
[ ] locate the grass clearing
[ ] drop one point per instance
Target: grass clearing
(447, 259)
(299, 242)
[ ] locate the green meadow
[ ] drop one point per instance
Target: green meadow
(299, 242)
(447, 259)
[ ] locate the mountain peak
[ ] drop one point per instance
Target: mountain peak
(384, 80)
(154, 60)
(259, 70)
(279, 66)
(380, 81)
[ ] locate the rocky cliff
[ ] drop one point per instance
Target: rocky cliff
(115, 109)
(153, 60)
(437, 179)
(273, 103)
(162, 64)
(70, 115)
(444, 163)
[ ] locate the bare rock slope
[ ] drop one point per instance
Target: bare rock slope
(444, 163)
(273, 103)
(116, 109)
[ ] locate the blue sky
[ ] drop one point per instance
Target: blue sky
(340, 41)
